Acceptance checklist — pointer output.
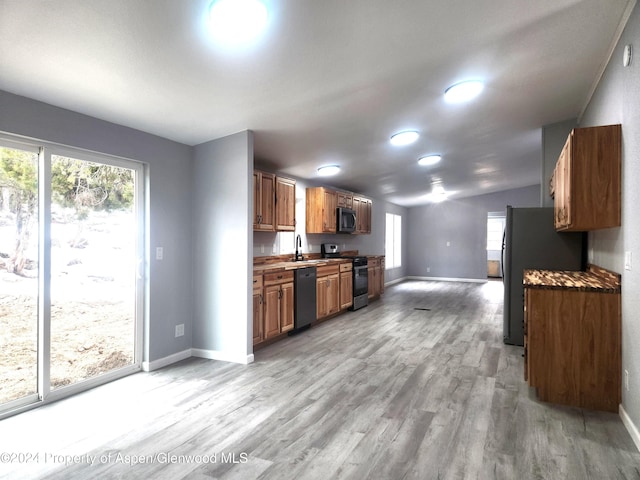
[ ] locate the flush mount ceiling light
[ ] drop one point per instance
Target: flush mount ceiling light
(463, 91)
(237, 21)
(429, 160)
(328, 170)
(404, 138)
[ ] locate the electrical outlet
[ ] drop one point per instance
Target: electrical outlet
(275, 249)
(179, 330)
(626, 380)
(627, 260)
(428, 269)
(310, 248)
(159, 253)
(448, 244)
(262, 248)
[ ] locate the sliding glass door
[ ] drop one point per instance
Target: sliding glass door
(71, 271)
(18, 274)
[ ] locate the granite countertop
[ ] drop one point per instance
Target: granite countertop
(593, 280)
(283, 266)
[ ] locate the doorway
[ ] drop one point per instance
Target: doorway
(71, 271)
(495, 230)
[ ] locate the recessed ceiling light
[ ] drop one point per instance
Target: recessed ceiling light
(463, 91)
(429, 160)
(328, 170)
(404, 138)
(237, 21)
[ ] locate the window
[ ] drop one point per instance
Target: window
(495, 229)
(393, 241)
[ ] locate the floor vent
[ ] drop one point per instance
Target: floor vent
(424, 309)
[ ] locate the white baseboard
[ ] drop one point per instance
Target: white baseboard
(448, 279)
(223, 356)
(631, 427)
(393, 282)
(164, 361)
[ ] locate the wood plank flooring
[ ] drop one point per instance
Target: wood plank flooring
(417, 385)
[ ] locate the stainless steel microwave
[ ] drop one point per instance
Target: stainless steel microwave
(346, 220)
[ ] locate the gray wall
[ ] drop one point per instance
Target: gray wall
(554, 137)
(222, 179)
(169, 165)
(617, 100)
(373, 244)
(463, 224)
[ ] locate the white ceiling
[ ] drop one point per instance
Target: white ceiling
(329, 81)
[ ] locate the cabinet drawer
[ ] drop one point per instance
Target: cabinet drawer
(346, 267)
(373, 262)
(328, 270)
(277, 277)
(257, 281)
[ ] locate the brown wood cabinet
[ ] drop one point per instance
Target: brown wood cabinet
(346, 285)
(278, 303)
(327, 291)
(321, 210)
(572, 345)
(586, 183)
(263, 201)
(274, 202)
(362, 207)
(285, 204)
(375, 271)
(344, 199)
(258, 309)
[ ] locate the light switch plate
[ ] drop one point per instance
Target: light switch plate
(159, 253)
(627, 260)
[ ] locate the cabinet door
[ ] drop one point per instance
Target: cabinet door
(271, 311)
(266, 218)
(257, 316)
(285, 204)
(333, 293)
(286, 307)
(321, 297)
(346, 290)
(330, 205)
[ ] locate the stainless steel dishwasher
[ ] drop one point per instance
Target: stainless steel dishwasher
(304, 294)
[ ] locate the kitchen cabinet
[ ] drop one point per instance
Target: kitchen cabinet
(327, 291)
(346, 285)
(278, 303)
(344, 199)
(285, 204)
(586, 183)
(263, 201)
(572, 341)
(258, 309)
(321, 210)
(376, 277)
(274, 202)
(362, 207)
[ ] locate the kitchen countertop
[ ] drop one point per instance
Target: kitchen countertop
(283, 266)
(595, 279)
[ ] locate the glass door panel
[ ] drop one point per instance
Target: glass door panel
(18, 274)
(93, 269)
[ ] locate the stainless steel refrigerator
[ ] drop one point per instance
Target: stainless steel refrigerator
(531, 241)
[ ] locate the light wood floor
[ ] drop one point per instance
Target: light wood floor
(388, 392)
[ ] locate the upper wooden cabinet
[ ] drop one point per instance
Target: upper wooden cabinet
(285, 204)
(586, 181)
(362, 207)
(321, 210)
(263, 200)
(345, 199)
(274, 202)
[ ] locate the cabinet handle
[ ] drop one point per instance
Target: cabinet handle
(280, 293)
(261, 299)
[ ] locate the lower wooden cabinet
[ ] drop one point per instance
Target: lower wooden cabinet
(278, 303)
(375, 272)
(572, 346)
(327, 291)
(346, 285)
(258, 309)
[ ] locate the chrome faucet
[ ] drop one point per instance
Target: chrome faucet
(298, 246)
